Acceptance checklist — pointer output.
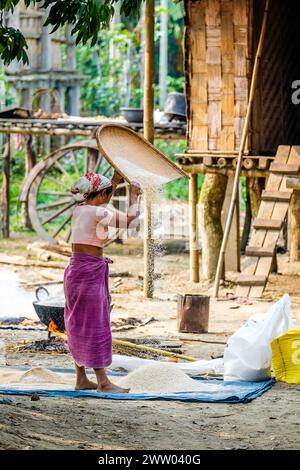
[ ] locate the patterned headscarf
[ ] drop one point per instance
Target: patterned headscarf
(89, 183)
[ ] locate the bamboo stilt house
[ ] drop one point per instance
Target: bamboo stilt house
(221, 38)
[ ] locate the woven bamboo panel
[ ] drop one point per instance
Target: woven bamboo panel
(217, 82)
(274, 117)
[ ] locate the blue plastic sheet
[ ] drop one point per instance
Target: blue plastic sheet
(224, 392)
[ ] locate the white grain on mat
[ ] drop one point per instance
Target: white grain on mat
(160, 379)
(38, 375)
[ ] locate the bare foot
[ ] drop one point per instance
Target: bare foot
(86, 384)
(109, 387)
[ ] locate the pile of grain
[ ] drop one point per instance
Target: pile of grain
(159, 379)
(38, 375)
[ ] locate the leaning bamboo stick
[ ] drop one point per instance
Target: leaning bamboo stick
(161, 352)
(241, 151)
(53, 329)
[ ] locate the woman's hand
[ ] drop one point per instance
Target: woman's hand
(135, 189)
(117, 178)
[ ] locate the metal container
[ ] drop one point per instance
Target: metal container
(51, 309)
(132, 114)
(48, 309)
(175, 108)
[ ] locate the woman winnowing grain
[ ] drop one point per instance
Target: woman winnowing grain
(87, 309)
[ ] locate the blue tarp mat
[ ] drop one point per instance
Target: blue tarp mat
(224, 392)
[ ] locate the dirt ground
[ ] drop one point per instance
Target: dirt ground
(269, 422)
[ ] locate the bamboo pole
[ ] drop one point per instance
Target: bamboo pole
(238, 233)
(149, 71)
(295, 226)
(163, 53)
(241, 151)
(194, 249)
(161, 352)
(149, 135)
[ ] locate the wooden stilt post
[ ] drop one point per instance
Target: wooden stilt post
(149, 135)
(194, 248)
(5, 187)
(238, 233)
(241, 151)
(295, 227)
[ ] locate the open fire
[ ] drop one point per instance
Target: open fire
(53, 329)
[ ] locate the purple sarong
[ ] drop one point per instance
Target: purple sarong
(87, 310)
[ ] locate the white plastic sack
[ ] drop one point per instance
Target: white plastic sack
(248, 354)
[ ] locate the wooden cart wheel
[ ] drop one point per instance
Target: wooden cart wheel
(50, 201)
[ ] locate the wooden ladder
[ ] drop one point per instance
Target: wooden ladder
(270, 218)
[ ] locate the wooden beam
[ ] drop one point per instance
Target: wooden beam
(200, 169)
(194, 248)
(149, 71)
(293, 183)
(285, 169)
(268, 224)
(295, 226)
(252, 280)
(149, 75)
(276, 196)
(263, 252)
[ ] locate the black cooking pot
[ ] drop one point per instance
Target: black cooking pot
(175, 108)
(48, 312)
(135, 115)
(51, 309)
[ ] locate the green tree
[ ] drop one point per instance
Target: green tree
(88, 18)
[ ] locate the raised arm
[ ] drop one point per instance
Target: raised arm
(129, 219)
(120, 219)
(116, 180)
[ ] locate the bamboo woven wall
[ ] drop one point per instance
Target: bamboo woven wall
(275, 118)
(217, 72)
(221, 39)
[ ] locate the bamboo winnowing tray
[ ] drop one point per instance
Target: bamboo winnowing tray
(134, 157)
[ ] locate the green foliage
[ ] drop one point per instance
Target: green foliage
(88, 18)
(12, 45)
(103, 92)
(6, 98)
(243, 192)
(176, 14)
(175, 84)
(177, 189)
